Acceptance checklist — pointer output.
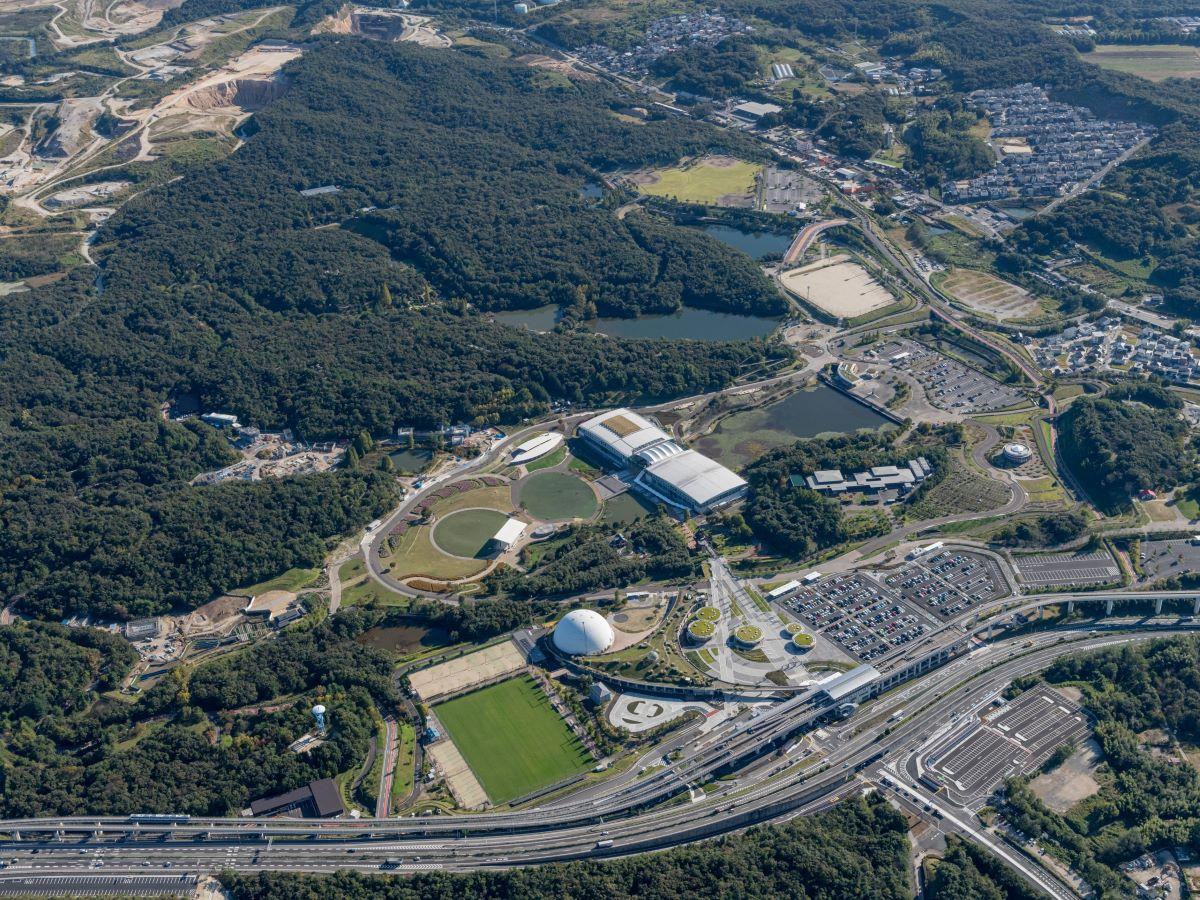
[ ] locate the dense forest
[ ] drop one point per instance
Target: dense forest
(49, 669)
(223, 287)
(788, 517)
(856, 850)
(594, 557)
(181, 747)
(968, 872)
(1148, 799)
(1117, 448)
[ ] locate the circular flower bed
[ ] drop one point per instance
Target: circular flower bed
(748, 635)
(700, 630)
(802, 641)
(793, 628)
(709, 613)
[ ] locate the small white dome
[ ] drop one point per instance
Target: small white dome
(583, 632)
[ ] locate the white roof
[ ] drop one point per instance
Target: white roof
(658, 452)
(510, 532)
(848, 682)
(536, 446)
(784, 589)
(583, 632)
(701, 479)
(624, 431)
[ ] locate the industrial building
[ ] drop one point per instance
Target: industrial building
(316, 800)
(665, 470)
(877, 478)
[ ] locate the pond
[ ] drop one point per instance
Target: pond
(592, 190)
(689, 323)
(410, 462)
(408, 638)
(814, 412)
(759, 244)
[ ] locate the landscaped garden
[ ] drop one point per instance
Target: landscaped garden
(553, 496)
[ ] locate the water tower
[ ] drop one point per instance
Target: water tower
(318, 712)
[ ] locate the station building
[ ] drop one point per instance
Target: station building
(664, 469)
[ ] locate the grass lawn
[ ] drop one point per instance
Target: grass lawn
(549, 461)
(512, 738)
(702, 182)
(467, 532)
(351, 569)
(625, 508)
(291, 580)
(1152, 61)
(406, 759)
(556, 495)
(1189, 505)
(371, 592)
(488, 497)
(1044, 490)
(416, 555)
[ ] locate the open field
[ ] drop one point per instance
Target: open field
(712, 180)
(467, 532)
(466, 671)
(989, 295)
(1151, 61)
(838, 286)
(1072, 782)
(416, 555)
(552, 496)
(512, 738)
(291, 580)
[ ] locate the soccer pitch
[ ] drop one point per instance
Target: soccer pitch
(512, 738)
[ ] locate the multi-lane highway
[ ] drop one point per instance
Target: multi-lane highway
(774, 777)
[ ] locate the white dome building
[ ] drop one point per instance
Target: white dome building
(583, 632)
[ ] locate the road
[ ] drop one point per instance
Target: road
(767, 784)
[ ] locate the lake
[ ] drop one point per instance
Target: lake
(404, 638)
(758, 244)
(410, 462)
(821, 410)
(689, 323)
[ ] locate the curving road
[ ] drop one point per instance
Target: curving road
(762, 754)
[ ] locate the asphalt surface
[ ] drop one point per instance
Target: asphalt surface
(767, 786)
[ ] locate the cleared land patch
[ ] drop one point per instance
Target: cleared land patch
(713, 180)
(989, 295)
(838, 286)
(512, 738)
(467, 532)
(1151, 61)
(555, 495)
(1072, 782)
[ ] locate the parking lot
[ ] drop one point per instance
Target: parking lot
(1163, 559)
(1067, 569)
(1014, 738)
(948, 383)
(859, 615)
(949, 582)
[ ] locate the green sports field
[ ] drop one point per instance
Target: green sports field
(512, 738)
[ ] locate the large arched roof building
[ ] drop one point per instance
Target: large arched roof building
(583, 632)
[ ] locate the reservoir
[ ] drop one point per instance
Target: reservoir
(758, 244)
(813, 412)
(689, 323)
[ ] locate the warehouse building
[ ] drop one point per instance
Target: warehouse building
(662, 468)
